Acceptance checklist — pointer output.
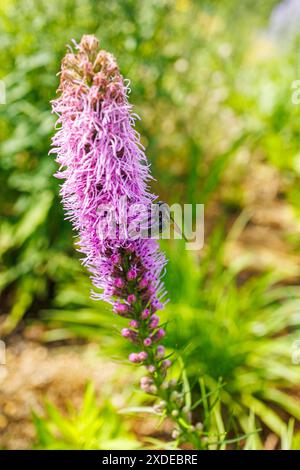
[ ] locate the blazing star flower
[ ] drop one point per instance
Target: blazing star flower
(101, 161)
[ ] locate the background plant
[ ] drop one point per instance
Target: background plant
(91, 427)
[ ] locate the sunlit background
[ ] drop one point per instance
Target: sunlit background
(214, 85)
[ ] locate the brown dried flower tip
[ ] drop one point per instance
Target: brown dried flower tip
(89, 44)
(91, 67)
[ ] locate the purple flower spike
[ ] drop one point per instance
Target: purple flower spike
(129, 334)
(147, 384)
(157, 305)
(102, 162)
(146, 380)
(160, 334)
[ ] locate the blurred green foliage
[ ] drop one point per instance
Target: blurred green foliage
(214, 94)
(90, 428)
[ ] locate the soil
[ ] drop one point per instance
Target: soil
(34, 372)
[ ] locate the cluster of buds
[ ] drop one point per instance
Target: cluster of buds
(135, 299)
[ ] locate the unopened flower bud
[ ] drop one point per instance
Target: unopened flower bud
(120, 308)
(175, 434)
(160, 351)
(125, 332)
(152, 389)
(154, 321)
(157, 305)
(166, 364)
(143, 283)
(132, 274)
(133, 357)
(118, 282)
(143, 355)
(145, 314)
(116, 259)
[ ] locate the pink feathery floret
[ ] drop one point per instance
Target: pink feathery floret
(101, 160)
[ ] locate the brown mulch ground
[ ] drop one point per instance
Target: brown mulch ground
(34, 372)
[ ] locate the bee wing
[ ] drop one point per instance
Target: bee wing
(177, 228)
